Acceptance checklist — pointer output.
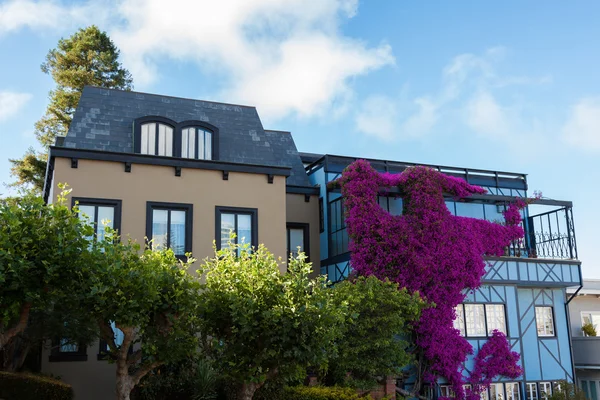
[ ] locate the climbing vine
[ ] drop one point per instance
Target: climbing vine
(430, 251)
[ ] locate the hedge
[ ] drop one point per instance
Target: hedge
(32, 387)
(322, 393)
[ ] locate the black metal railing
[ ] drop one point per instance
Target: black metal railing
(548, 235)
(543, 245)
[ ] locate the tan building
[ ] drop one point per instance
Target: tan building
(183, 173)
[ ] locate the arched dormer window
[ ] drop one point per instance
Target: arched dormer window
(160, 136)
(196, 142)
(154, 136)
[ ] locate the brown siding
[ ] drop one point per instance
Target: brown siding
(307, 212)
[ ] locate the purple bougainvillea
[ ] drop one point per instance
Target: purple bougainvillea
(429, 250)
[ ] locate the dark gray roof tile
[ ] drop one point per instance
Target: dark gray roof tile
(104, 120)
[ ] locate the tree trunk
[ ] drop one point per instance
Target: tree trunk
(124, 386)
(14, 354)
(124, 382)
(247, 391)
(19, 326)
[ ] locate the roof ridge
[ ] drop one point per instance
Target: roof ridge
(171, 97)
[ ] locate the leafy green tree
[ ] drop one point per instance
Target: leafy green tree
(88, 57)
(43, 249)
(151, 298)
(264, 324)
(564, 390)
(379, 317)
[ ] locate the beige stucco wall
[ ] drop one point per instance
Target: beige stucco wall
(204, 189)
(298, 210)
(93, 379)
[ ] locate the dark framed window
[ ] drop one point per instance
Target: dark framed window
(100, 213)
(154, 136)
(103, 350)
(321, 216)
(241, 221)
(169, 225)
(480, 320)
(160, 136)
(544, 321)
(298, 237)
(66, 350)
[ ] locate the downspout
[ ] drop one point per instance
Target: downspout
(569, 326)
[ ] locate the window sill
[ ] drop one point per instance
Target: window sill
(66, 357)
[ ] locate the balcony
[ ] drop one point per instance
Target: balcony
(586, 352)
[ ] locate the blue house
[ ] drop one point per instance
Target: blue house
(523, 293)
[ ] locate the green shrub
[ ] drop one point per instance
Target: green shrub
(321, 393)
(32, 387)
(589, 329)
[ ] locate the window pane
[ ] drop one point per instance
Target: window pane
(227, 226)
(159, 229)
(472, 210)
(545, 390)
(296, 239)
(495, 318)
(86, 213)
(532, 391)
(178, 232)
(148, 139)
(512, 391)
(184, 143)
(165, 140)
(474, 316)
(106, 216)
(192, 142)
(200, 144)
(496, 391)
(395, 206)
(484, 394)
(244, 228)
(544, 321)
(67, 347)
(208, 146)
(459, 321)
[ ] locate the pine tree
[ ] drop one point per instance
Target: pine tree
(88, 57)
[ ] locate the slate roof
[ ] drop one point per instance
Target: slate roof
(104, 120)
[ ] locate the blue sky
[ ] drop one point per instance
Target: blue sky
(496, 85)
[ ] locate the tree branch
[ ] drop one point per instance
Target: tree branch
(134, 357)
(107, 334)
(143, 370)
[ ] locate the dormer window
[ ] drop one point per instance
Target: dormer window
(161, 136)
(156, 139)
(196, 143)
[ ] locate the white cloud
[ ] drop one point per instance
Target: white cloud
(284, 56)
(48, 14)
(11, 103)
(469, 96)
(287, 57)
(582, 128)
(485, 116)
